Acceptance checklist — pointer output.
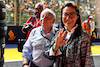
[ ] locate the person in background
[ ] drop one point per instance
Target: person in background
(9, 8)
(89, 25)
(39, 38)
(92, 24)
(71, 45)
(59, 25)
(86, 22)
(45, 5)
(26, 11)
(33, 22)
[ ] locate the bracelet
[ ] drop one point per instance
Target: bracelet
(24, 64)
(54, 50)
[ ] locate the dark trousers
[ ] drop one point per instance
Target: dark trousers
(32, 65)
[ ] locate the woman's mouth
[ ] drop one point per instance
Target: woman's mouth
(69, 22)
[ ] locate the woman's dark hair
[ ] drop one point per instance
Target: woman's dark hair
(78, 21)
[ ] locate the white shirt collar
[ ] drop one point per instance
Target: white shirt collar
(53, 30)
(72, 31)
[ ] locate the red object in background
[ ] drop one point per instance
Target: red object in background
(25, 1)
(33, 21)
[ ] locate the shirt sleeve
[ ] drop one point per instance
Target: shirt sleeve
(27, 48)
(52, 52)
(93, 26)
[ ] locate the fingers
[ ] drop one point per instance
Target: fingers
(60, 37)
(59, 33)
(64, 33)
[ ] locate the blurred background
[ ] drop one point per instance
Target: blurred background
(18, 12)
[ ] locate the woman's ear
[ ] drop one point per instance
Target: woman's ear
(77, 17)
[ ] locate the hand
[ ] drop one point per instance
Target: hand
(24, 25)
(60, 39)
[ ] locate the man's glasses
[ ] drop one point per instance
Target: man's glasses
(71, 15)
(38, 9)
(46, 17)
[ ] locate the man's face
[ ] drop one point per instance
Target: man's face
(47, 19)
(37, 10)
(91, 19)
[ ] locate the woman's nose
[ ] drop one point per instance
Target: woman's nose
(67, 17)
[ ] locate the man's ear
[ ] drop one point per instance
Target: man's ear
(54, 20)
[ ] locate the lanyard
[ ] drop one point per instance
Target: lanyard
(45, 37)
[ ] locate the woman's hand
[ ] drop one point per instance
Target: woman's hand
(60, 39)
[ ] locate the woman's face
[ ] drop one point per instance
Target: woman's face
(69, 17)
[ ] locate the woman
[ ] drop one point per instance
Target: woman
(71, 46)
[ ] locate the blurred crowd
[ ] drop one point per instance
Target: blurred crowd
(87, 7)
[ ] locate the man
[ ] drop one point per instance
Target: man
(9, 9)
(92, 24)
(39, 38)
(89, 25)
(32, 22)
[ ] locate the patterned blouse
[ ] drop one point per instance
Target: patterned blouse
(75, 52)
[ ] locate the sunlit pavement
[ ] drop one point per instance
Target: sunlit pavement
(13, 58)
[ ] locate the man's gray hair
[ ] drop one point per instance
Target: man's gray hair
(48, 10)
(41, 4)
